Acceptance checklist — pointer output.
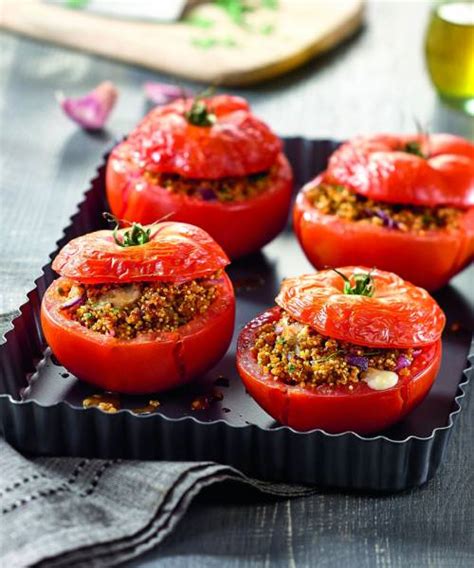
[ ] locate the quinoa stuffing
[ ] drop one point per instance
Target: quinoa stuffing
(127, 310)
(224, 189)
(298, 355)
(341, 201)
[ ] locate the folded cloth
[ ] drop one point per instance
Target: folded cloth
(80, 512)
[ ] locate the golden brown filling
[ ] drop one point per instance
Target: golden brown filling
(341, 201)
(126, 310)
(298, 355)
(224, 189)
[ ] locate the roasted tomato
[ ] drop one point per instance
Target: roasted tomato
(140, 310)
(209, 162)
(343, 351)
(402, 204)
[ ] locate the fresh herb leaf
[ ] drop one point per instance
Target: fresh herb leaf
(363, 283)
(235, 9)
(199, 21)
(329, 357)
(267, 29)
(204, 42)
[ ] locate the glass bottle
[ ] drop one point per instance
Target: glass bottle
(449, 49)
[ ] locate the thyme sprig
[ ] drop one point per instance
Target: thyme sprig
(199, 114)
(363, 283)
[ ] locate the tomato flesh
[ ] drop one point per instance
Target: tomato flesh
(333, 409)
(151, 362)
(240, 227)
(428, 260)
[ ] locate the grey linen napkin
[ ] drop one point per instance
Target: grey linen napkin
(79, 512)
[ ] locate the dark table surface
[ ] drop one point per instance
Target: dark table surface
(374, 82)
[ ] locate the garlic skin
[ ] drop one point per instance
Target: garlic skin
(92, 110)
(379, 380)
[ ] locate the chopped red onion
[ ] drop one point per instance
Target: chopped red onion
(387, 220)
(72, 302)
(163, 93)
(91, 110)
(417, 352)
(358, 361)
(402, 362)
(207, 194)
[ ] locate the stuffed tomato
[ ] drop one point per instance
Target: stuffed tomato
(209, 162)
(345, 350)
(140, 310)
(400, 203)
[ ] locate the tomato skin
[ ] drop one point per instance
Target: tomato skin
(176, 252)
(378, 168)
(397, 314)
(237, 144)
(335, 410)
(154, 363)
(429, 260)
(134, 198)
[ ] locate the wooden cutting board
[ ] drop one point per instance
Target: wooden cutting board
(272, 42)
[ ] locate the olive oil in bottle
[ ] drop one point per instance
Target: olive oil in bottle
(450, 52)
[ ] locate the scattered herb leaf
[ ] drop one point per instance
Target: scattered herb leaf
(199, 21)
(267, 29)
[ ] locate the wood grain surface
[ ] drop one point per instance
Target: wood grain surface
(300, 29)
(375, 82)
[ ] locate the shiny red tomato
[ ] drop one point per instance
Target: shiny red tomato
(175, 252)
(237, 144)
(429, 259)
(153, 361)
(335, 409)
(384, 168)
(396, 315)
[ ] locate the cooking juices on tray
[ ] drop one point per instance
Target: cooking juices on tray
(206, 161)
(400, 203)
(349, 349)
(142, 309)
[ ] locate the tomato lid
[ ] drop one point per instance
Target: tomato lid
(380, 310)
(174, 252)
(429, 170)
(206, 138)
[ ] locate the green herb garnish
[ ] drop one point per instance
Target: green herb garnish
(199, 21)
(199, 113)
(235, 9)
(363, 286)
(267, 29)
(204, 42)
(329, 357)
(135, 236)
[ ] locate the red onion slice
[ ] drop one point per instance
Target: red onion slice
(72, 302)
(358, 361)
(402, 362)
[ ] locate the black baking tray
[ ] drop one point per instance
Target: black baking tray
(41, 409)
